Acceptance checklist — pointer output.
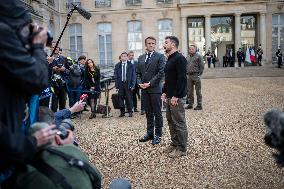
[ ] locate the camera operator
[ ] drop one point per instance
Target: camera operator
(60, 71)
(23, 72)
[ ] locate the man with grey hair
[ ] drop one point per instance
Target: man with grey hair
(194, 70)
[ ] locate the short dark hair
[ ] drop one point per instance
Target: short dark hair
(82, 57)
(130, 52)
(123, 53)
(174, 40)
(46, 115)
(150, 37)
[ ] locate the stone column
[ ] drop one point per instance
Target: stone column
(263, 36)
(184, 48)
(237, 35)
(207, 32)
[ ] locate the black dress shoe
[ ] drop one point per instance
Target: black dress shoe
(142, 112)
(130, 114)
(198, 108)
(146, 138)
(188, 107)
(156, 140)
(121, 115)
(92, 116)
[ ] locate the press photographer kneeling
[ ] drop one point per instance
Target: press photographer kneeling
(58, 163)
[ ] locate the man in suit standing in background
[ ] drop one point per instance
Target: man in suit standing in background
(125, 79)
(136, 91)
(150, 72)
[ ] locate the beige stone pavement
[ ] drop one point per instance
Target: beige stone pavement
(225, 148)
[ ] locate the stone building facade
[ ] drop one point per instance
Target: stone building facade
(122, 25)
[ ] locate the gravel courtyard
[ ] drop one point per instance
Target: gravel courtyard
(225, 149)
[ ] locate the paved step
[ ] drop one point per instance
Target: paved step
(240, 72)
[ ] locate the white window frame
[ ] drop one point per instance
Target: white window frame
(137, 52)
(162, 33)
(76, 34)
(278, 26)
(104, 63)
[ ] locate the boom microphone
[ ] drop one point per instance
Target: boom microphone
(82, 11)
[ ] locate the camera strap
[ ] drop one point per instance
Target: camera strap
(79, 164)
(57, 178)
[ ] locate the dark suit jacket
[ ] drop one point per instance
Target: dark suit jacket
(153, 72)
(135, 65)
(130, 75)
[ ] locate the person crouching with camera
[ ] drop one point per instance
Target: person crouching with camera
(92, 85)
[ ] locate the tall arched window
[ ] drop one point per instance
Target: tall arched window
(165, 27)
(104, 44)
(75, 40)
(135, 37)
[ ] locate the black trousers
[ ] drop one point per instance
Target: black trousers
(59, 97)
(240, 63)
(126, 97)
(152, 105)
(259, 58)
(135, 95)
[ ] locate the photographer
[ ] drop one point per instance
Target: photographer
(60, 71)
(23, 72)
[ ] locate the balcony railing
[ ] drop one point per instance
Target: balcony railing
(133, 2)
(31, 9)
(50, 3)
(68, 3)
(102, 3)
(159, 2)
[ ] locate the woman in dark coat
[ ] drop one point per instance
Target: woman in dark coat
(92, 84)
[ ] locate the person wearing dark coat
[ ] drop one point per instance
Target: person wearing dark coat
(125, 80)
(136, 91)
(240, 56)
(150, 73)
(279, 56)
(92, 84)
(23, 73)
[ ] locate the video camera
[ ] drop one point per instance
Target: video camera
(274, 137)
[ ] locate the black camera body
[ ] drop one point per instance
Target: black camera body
(64, 125)
(27, 34)
(274, 137)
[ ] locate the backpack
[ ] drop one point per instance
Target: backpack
(75, 76)
(60, 167)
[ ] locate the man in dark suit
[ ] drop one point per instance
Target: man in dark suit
(136, 91)
(125, 79)
(150, 71)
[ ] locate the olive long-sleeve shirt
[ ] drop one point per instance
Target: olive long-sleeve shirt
(195, 64)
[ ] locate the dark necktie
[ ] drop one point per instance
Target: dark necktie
(148, 58)
(123, 72)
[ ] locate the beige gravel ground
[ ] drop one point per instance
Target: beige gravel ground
(225, 149)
